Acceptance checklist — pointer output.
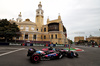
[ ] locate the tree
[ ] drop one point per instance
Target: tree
(70, 41)
(8, 30)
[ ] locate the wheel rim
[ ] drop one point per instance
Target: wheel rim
(36, 58)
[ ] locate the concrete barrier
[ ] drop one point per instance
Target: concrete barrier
(38, 44)
(4, 43)
(62, 45)
(17, 44)
(31, 44)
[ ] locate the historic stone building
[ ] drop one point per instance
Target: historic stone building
(36, 32)
(94, 38)
(76, 39)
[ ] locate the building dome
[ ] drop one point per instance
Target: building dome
(27, 19)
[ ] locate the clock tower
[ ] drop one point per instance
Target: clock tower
(39, 17)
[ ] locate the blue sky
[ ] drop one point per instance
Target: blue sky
(80, 17)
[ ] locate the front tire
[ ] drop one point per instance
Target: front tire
(70, 54)
(76, 54)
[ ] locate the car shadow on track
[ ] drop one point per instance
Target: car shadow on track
(49, 61)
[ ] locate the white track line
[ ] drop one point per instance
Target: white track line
(11, 52)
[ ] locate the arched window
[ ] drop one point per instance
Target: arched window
(34, 36)
(26, 36)
(44, 37)
(56, 36)
(41, 30)
(44, 29)
(37, 29)
(51, 36)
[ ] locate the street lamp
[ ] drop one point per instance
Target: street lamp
(68, 43)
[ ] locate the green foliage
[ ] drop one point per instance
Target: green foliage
(70, 41)
(8, 30)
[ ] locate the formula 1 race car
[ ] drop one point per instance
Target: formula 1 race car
(49, 54)
(64, 52)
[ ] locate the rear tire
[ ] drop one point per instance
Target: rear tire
(35, 58)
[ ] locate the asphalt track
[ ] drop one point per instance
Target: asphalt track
(16, 56)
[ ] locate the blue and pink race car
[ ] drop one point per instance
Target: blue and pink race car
(49, 54)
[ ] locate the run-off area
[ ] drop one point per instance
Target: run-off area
(5, 50)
